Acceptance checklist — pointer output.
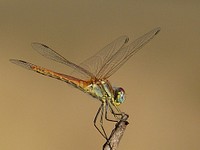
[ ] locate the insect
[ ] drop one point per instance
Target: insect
(94, 73)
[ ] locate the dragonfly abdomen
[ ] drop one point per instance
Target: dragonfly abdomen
(68, 79)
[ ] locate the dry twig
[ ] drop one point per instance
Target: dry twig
(116, 135)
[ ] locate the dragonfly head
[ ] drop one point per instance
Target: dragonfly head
(119, 95)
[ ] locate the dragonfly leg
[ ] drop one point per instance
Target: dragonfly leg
(116, 113)
(112, 111)
(123, 116)
(100, 112)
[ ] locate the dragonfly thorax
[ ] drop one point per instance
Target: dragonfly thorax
(103, 91)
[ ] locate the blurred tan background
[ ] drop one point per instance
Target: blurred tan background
(162, 81)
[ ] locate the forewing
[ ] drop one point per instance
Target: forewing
(53, 55)
(114, 62)
(95, 63)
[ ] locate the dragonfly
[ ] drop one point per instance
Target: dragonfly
(93, 74)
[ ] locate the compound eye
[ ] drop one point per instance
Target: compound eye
(119, 96)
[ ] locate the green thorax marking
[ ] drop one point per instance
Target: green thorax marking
(101, 90)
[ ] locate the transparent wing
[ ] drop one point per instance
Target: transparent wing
(22, 63)
(109, 62)
(53, 55)
(95, 63)
(126, 52)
